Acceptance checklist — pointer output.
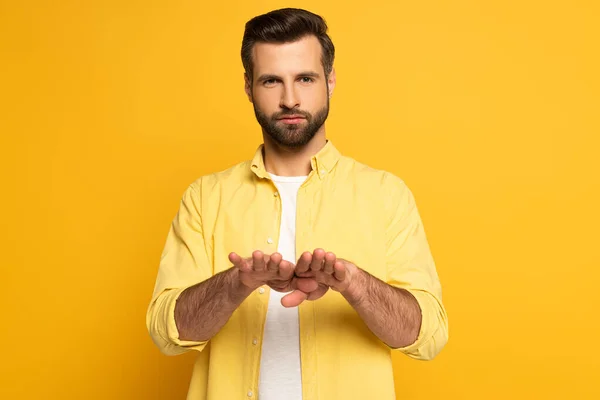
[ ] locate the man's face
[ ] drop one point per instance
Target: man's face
(289, 90)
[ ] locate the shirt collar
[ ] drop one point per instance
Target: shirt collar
(322, 162)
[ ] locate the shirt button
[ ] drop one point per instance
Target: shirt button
(254, 341)
(275, 194)
(250, 393)
(261, 290)
(270, 240)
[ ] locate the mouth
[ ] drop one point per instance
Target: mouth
(292, 119)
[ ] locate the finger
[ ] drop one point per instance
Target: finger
(293, 299)
(273, 263)
(329, 261)
(258, 261)
(306, 285)
(308, 274)
(317, 260)
(239, 262)
(235, 259)
(304, 262)
(339, 271)
(286, 269)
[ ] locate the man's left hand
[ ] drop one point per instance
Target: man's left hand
(328, 270)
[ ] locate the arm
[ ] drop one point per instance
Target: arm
(184, 263)
(405, 311)
(203, 309)
(190, 304)
(410, 267)
(391, 313)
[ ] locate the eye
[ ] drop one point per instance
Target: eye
(269, 82)
(306, 79)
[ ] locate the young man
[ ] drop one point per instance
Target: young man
(302, 268)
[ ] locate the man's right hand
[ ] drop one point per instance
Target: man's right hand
(277, 273)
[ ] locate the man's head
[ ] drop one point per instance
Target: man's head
(289, 77)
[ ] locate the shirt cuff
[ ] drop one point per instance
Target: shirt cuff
(427, 322)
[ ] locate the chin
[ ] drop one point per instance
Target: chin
(299, 141)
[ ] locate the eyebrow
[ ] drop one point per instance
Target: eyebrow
(266, 77)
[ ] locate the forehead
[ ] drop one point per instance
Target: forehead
(281, 58)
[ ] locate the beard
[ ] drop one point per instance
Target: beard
(292, 135)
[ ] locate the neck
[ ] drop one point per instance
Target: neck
(285, 161)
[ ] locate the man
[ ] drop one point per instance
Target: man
(302, 268)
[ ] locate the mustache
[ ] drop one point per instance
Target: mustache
(283, 113)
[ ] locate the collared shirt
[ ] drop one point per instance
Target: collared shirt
(361, 214)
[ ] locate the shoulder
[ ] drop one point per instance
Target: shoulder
(390, 190)
(235, 175)
(365, 174)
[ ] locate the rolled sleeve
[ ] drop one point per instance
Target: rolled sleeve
(410, 266)
(161, 325)
(433, 334)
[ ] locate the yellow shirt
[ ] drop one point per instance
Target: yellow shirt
(361, 214)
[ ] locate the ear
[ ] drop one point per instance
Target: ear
(331, 82)
(248, 87)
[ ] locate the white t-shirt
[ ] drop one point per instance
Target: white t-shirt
(280, 373)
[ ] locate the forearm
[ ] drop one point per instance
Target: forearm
(202, 310)
(391, 313)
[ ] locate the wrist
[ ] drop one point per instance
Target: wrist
(357, 289)
(240, 289)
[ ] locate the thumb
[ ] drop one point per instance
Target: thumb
(293, 299)
(306, 285)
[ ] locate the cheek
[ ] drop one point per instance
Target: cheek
(266, 100)
(314, 98)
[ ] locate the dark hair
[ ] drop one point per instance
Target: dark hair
(284, 26)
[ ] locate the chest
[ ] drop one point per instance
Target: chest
(341, 219)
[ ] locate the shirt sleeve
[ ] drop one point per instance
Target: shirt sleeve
(410, 266)
(184, 262)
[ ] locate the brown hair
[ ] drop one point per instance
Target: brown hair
(284, 26)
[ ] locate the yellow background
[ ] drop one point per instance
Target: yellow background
(487, 109)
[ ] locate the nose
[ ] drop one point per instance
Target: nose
(289, 98)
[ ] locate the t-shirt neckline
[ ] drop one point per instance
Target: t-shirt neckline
(294, 179)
